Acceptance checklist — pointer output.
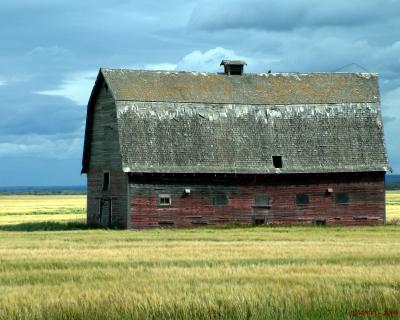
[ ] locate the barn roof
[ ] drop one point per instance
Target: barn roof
(267, 88)
(184, 122)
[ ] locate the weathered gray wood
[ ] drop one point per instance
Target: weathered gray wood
(105, 156)
(105, 151)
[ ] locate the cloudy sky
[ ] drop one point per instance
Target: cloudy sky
(51, 51)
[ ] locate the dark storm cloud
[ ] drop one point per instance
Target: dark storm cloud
(51, 51)
(291, 14)
(29, 113)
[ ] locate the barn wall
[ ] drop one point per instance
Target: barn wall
(105, 157)
(105, 152)
(117, 194)
(365, 191)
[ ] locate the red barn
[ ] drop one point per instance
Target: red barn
(187, 149)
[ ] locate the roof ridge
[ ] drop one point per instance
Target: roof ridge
(244, 74)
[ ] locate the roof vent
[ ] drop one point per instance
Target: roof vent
(233, 67)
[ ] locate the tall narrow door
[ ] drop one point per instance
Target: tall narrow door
(105, 217)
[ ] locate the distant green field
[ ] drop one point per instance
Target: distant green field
(208, 273)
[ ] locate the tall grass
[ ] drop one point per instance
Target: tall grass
(57, 270)
(242, 273)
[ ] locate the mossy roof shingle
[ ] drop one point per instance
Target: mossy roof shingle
(202, 122)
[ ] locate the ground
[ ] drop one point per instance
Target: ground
(393, 205)
(207, 273)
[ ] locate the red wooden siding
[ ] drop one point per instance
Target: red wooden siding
(366, 199)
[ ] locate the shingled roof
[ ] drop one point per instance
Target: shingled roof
(184, 122)
(278, 88)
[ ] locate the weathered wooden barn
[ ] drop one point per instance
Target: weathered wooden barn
(188, 149)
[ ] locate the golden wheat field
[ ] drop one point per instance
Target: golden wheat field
(38, 208)
(393, 205)
(58, 270)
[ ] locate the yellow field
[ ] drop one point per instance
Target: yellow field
(208, 273)
(245, 273)
(393, 205)
(38, 203)
(37, 208)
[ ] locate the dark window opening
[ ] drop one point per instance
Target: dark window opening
(302, 199)
(166, 223)
(320, 222)
(258, 221)
(220, 200)
(342, 198)
(277, 161)
(200, 222)
(164, 200)
(360, 218)
(261, 200)
(236, 70)
(106, 181)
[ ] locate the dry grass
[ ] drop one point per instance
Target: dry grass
(242, 273)
(393, 205)
(37, 208)
(19, 204)
(245, 273)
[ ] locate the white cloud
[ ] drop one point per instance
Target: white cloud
(76, 87)
(48, 52)
(40, 146)
(3, 81)
(160, 66)
(208, 61)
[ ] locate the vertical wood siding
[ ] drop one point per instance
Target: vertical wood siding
(365, 191)
(105, 156)
(117, 193)
(105, 152)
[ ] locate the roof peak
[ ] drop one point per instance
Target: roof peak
(292, 73)
(233, 62)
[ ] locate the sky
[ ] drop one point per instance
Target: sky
(51, 51)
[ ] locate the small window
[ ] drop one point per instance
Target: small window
(319, 222)
(166, 223)
(260, 200)
(220, 200)
(342, 198)
(302, 199)
(277, 161)
(106, 181)
(164, 200)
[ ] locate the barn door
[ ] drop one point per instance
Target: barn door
(105, 212)
(260, 209)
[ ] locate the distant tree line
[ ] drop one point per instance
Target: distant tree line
(392, 185)
(43, 190)
(389, 185)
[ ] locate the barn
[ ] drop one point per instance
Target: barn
(187, 149)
